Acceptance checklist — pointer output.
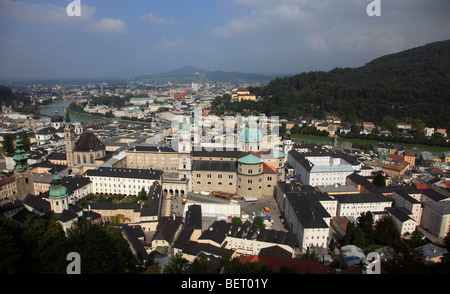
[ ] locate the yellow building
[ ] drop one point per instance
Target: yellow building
(243, 94)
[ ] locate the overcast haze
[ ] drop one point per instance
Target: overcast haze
(38, 40)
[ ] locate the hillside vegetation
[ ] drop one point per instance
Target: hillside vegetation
(412, 84)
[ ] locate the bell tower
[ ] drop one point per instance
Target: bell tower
(69, 140)
(22, 172)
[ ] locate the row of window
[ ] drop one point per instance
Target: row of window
(219, 176)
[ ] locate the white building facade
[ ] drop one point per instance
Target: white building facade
(121, 180)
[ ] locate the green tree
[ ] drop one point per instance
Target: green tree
(236, 220)
(102, 250)
(200, 265)
(379, 180)
(350, 229)
(25, 141)
(9, 243)
(446, 257)
(295, 129)
(142, 195)
(178, 265)
(390, 124)
(386, 231)
(332, 245)
(366, 222)
(235, 266)
(418, 128)
(258, 222)
(8, 145)
(359, 238)
(46, 241)
(405, 260)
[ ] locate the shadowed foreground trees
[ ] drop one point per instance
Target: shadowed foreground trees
(41, 247)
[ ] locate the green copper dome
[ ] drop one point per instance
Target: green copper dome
(57, 190)
(250, 159)
(250, 135)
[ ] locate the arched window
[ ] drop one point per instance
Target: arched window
(78, 159)
(92, 159)
(84, 158)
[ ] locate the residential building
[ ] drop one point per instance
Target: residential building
(353, 205)
(125, 181)
(319, 166)
(402, 219)
(436, 218)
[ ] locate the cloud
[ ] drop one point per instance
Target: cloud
(108, 25)
(43, 13)
(157, 20)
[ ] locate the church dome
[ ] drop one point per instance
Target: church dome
(250, 135)
(57, 118)
(57, 190)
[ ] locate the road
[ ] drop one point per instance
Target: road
(246, 207)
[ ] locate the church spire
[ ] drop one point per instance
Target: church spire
(20, 158)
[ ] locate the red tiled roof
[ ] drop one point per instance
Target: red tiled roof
(268, 169)
(275, 264)
(396, 156)
(421, 186)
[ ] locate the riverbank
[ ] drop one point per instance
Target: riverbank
(416, 148)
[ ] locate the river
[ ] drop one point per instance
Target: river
(60, 106)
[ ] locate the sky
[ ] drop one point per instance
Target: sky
(39, 40)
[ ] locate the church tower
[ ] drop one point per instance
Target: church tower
(22, 172)
(58, 195)
(69, 140)
(287, 143)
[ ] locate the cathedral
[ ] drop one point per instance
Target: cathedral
(87, 149)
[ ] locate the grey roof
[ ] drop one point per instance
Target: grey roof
(125, 173)
(147, 148)
(193, 218)
(214, 165)
(433, 194)
(362, 198)
(309, 212)
(399, 213)
(133, 234)
(406, 196)
(226, 153)
(114, 206)
(360, 180)
(37, 203)
(195, 248)
(167, 227)
(218, 231)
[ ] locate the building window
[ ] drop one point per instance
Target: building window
(250, 181)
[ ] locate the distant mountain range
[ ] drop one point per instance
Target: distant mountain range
(193, 74)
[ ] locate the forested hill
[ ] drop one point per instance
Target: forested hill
(412, 84)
